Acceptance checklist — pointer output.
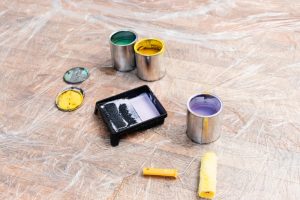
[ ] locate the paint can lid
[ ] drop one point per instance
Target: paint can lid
(76, 75)
(69, 99)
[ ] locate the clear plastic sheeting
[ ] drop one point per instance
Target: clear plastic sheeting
(244, 51)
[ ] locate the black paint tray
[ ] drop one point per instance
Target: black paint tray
(134, 110)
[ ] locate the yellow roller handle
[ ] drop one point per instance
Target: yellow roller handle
(160, 172)
(208, 176)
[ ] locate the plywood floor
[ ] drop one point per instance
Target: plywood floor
(247, 52)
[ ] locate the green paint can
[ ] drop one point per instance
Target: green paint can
(122, 51)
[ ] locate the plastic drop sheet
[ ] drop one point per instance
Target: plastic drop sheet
(244, 51)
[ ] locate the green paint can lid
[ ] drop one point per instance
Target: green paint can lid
(76, 75)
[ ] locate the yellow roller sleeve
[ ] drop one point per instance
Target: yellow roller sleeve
(160, 172)
(208, 176)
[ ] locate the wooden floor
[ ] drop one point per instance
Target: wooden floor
(247, 52)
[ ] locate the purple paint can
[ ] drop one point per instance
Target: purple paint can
(203, 115)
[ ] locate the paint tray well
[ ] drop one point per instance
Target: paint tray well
(135, 110)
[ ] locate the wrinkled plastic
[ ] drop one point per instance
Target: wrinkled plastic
(244, 51)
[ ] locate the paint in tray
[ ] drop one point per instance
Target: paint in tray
(124, 113)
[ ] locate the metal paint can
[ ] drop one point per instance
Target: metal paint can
(203, 115)
(149, 55)
(122, 50)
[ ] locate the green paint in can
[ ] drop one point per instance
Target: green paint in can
(123, 38)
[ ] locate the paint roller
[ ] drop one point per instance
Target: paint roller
(208, 176)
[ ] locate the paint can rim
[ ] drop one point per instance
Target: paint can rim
(204, 116)
(161, 51)
(123, 30)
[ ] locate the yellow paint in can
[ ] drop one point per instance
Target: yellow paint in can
(149, 47)
(69, 99)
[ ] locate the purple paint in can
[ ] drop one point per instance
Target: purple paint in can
(205, 105)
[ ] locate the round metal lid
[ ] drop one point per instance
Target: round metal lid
(76, 75)
(69, 99)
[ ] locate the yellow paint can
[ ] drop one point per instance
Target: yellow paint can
(70, 99)
(149, 59)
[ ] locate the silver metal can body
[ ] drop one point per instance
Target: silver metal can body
(204, 126)
(150, 68)
(149, 59)
(122, 53)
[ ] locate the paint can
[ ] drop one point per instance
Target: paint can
(203, 118)
(149, 54)
(122, 50)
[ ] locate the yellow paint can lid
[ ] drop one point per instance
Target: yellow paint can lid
(69, 99)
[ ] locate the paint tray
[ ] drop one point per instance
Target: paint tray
(134, 110)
